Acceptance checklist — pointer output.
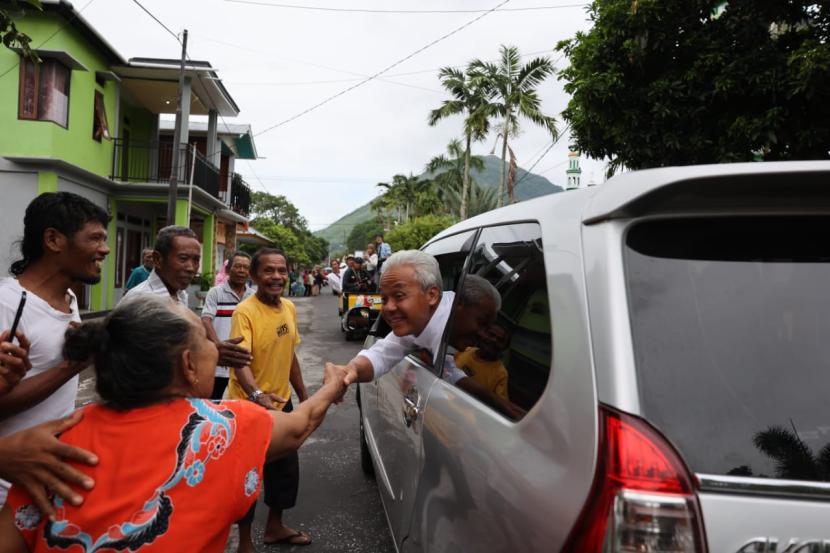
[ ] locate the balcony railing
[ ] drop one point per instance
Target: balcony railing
(240, 195)
(153, 162)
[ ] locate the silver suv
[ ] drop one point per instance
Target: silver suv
(668, 334)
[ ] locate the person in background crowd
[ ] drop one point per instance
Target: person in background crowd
(307, 282)
(220, 303)
(64, 244)
(335, 282)
(358, 281)
(383, 249)
(349, 268)
(267, 323)
(176, 256)
(141, 272)
(182, 489)
(318, 280)
(222, 275)
(371, 258)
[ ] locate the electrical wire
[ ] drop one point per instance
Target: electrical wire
(546, 152)
(50, 37)
(382, 71)
(410, 12)
(157, 20)
(201, 81)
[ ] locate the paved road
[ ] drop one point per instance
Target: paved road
(337, 505)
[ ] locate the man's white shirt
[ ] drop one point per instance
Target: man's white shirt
(335, 281)
(220, 304)
(388, 352)
(154, 285)
(45, 327)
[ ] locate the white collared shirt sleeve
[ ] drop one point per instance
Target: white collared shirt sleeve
(385, 354)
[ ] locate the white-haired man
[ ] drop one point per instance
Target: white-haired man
(417, 310)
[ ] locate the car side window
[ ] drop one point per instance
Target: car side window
(451, 253)
(500, 331)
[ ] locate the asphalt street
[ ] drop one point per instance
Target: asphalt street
(337, 505)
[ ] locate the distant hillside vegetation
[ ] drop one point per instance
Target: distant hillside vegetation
(531, 186)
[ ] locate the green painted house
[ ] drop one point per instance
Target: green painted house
(85, 120)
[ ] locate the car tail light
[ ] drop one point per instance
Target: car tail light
(642, 498)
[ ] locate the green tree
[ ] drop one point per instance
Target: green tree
(10, 10)
(413, 234)
(274, 215)
(701, 81)
(285, 239)
(452, 179)
(363, 233)
(468, 98)
(511, 90)
(278, 209)
(408, 196)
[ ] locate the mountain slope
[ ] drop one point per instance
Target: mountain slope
(529, 186)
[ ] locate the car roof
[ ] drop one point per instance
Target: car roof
(665, 189)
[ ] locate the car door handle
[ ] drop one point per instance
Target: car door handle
(410, 408)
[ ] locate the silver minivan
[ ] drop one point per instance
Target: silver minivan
(668, 335)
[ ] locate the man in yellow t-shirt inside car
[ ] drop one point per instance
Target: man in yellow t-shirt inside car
(267, 323)
(483, 364)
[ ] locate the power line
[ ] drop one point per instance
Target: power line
(50, 37)
(546, 152)
(411, 12)
(331, 81)
(382, 71)
(199, 76)
(157, 20)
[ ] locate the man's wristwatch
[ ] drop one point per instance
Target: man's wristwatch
(254, 396)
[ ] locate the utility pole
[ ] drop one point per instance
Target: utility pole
(177, 133)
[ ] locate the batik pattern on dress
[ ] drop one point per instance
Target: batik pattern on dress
(27, 517)
(251, 482)
(206, 436)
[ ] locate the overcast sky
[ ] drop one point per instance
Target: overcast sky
(276, 62)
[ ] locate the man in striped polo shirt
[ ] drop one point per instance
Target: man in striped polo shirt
(220, 303)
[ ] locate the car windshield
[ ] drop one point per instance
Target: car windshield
(731, 330)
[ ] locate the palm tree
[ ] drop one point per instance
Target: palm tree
(511, 92)
(480, 200)
(452, 174)
(468, 97)
(411, 196)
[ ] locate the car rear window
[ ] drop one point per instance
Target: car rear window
(731, 330)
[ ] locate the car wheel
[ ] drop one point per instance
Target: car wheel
(349, 335)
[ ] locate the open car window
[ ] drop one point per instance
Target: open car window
(500, 332)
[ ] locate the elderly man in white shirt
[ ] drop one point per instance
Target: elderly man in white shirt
(418, 310)
(176, 254)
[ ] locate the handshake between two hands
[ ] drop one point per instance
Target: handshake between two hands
(341, 376)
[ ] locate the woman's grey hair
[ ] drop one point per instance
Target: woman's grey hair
(477, 289)
(164, 239)
(135, 349)
(426, 267)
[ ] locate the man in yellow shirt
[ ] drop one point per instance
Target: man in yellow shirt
(267, 323)
(483, 364)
